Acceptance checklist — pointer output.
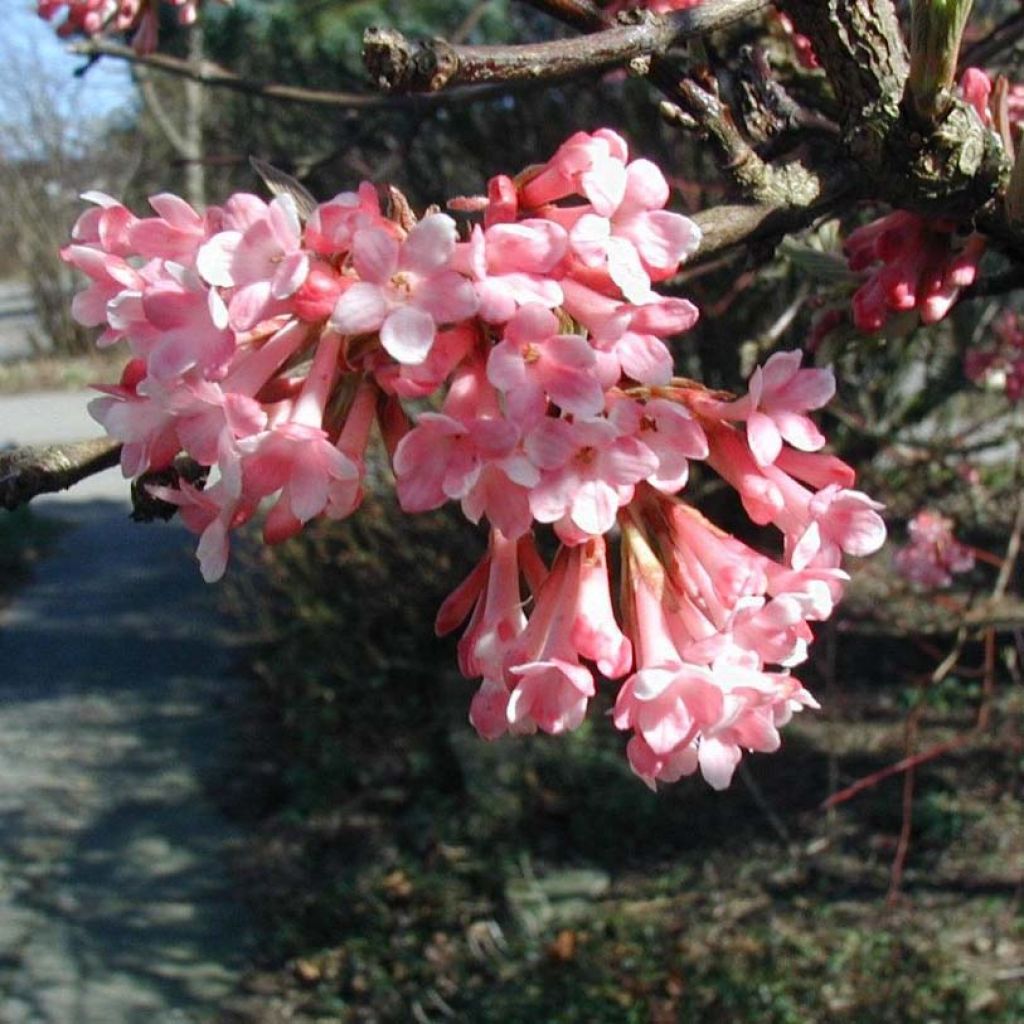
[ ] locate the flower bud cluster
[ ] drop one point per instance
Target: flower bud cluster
(912, 262)
(266, 345)
(933, 554)
(91, 17)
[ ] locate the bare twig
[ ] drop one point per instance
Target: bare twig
(1012, 551)
(29, 471)
(470, 22)
(212, 74)
(398, 64)
(761, 801)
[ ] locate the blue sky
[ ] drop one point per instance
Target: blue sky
(34, 41)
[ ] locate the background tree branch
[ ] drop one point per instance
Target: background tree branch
(209, 73)
(30, 471)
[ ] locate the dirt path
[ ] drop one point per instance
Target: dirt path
(115, 904)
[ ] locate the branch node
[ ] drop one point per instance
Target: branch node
(396, 64)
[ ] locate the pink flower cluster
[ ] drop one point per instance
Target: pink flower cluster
(912, 262)
(265, 347)
(933, 554)
(91, 17)
(1000, 363)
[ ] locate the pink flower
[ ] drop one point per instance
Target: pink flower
(669, 431)
(441, 458)
(189, 328)
(405, 290)
(933, 554)
(296, 458)
(639, 241)
(267, 351)
(265, 264)
(110, 276)
(467, 453)
(595, 634)
(212, 513)
(588, 471)
(511, 266)
(491, 595)
(175, 233)
(776, 404)
(333, 225)
(593, 166)
(106, 226)
(551, 689)
(535, 362)
(818, 525)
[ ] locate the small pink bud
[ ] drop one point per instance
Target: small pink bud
(318, 294)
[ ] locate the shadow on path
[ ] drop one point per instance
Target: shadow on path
(115, 903)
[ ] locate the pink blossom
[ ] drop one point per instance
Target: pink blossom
(588, 471)
(933, 555)
(491, 595)
(175, 233)
(296, 458)
(535, 362)
(264, 265)
(669, 430)
(110, 276)
(595, 634)
(592, 166)
(639, 241)
(189, 325)
(405, 290)
(511, 266)
(551, 689)
(267, 350)
(780, 394)
(212, 513)
(333, 225)
(106, 226)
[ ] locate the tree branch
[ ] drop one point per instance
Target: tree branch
(209, 73)
(397, 64)
(860, 45)
(159, 114)
(29, 471)
(724, 227)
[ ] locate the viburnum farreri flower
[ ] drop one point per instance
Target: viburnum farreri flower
(520, 367)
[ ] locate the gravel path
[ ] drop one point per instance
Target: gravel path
(115, 904)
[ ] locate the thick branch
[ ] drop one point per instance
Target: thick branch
(860, 45)
(30, 471)
(397, 64)
(209, 73)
